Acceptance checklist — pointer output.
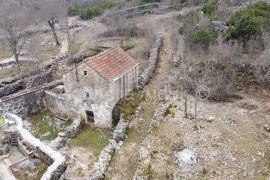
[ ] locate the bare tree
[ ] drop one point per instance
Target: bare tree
(13, 23)
(53, 12)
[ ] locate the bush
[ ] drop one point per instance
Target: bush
(126, 32)
(182, 30)
(246, 28)
(210, 9)
(148, 1)
(189, 21)
(73, 11)
(204, 37)
(249, 22)
(91, 10)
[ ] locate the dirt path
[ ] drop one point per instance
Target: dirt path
(124, 163)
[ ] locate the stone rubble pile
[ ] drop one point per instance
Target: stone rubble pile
(152, 61)
(101, 166)
(218, 26)
(70, 132)
(55, 159)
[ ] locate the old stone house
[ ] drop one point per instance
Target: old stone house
(95, 86)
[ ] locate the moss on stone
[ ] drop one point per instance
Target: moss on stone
(1, 120)
(169, 111)
(131, 102)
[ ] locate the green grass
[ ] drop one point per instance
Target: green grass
(131, 102)
(2, 120)
(42, 126)
(91, 138)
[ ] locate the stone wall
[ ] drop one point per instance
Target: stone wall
(53, 158)
(40, 79)
(22, 104)
(179, 52)
(25, 102)
(11, 88)
(101, 166)
(57, 104)
(152, 61)
(145, 152)
(137, 10)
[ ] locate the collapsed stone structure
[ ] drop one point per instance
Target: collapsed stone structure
(93, 88)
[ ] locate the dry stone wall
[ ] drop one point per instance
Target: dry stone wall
(25, 102)
(11, 88)
(53, 158)
(152, 61)
(101, 166)
(22, 104)
(138, 10)
(144, 153)
(40, 79)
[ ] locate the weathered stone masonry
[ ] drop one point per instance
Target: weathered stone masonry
(25, 102)
(56, 162)
(152, 61)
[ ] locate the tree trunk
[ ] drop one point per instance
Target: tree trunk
(52, 26)
(185, 106)
(55, 38)
(195, 108)
(17, 64)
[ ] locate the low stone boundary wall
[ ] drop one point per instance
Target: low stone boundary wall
(40, 79)
(11, 88)
(152, 61)
(137, 10)
(179, 52)
(56, 161)
(101, 166)
(144, 164)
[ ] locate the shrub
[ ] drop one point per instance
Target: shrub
(148, 1)
(210, 9)
(249, 22)
(91, 10)
(246, 28)
(189, 21)
(182, 30)
(73, 11)
(204, 37)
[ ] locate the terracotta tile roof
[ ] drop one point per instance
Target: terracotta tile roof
(112, 63)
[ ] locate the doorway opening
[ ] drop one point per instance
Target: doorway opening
(90, 116)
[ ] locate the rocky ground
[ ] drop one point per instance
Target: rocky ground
(228, 140)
